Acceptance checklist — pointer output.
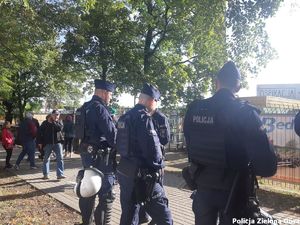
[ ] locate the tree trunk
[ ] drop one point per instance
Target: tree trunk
(104, 71)
(147, 50)
(9, 110)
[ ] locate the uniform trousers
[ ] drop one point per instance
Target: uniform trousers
(157, 207)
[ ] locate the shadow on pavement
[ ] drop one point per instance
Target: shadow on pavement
(275, 201)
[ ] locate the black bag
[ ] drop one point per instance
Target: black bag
(187, 176)
(80, 125)
(249, 211)
(80, 122)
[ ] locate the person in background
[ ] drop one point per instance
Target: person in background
(37, 124)
(69, 134)
(27, 135)
(35, 121)
(41, 147)
(7, 143)
(51, 138)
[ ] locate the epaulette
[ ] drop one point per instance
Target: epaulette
(245, 105)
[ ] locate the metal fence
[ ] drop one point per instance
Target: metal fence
(277, 115)
(177, 142)
(278, 119)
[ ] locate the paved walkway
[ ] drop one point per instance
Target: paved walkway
(179, 198)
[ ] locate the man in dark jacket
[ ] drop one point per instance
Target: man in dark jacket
(50, 138)
(27, 134)
(223, 136)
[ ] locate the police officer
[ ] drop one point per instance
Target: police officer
(297, 124)
(97, 151)
(223, 136)
(162, 127)
(141, 163)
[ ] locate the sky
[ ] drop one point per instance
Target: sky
(284, 33)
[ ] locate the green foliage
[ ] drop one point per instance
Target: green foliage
(53, 50)
(248, 41)
(177, 45)
(30, 54)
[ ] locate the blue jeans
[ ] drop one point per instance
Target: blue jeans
(29, 149)
(57, 148)
(157, 207)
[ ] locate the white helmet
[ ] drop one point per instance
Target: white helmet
(88, 182)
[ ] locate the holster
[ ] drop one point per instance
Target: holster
(189, 179)
(86, 148)
(144, 185)
(104, 154)
(190, 173)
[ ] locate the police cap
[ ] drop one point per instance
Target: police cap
(104, 85)
(55, 111)
(229, 72)
(151, 91)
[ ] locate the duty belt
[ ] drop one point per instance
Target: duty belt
(144, 185)
(103, 154)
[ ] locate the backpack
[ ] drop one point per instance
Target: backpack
(79, 127)
(80, 124)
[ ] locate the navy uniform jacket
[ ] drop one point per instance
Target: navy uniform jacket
(146, 150)
(162, 126)
(100, 128)
(247, 140)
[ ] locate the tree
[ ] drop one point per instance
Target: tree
(178, 45)
(32, 54)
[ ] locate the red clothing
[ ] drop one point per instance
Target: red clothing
(7, 138)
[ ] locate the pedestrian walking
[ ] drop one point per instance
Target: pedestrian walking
(27, 135)
(7, 139)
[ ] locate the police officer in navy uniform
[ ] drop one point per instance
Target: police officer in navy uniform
(162, 127)
(297, 124)
(224, 136)
(97, 151)
(141, 163)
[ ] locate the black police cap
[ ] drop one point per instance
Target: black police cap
(104, 85)
(229, 72)
(55, 111)
(151, 91)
